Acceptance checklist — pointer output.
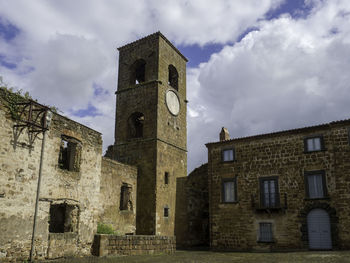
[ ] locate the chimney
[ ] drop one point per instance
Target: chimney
(224, 135)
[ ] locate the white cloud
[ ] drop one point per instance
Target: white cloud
(288, 74)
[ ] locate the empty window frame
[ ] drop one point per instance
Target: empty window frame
(70, 154)
(63, 218)
(315, 184)
(229, 190)
(313, 144)
(166, 178)
(138, 72)
(166, 211)
(173, 77)
(135, 125)
(228, 155)
(265, 232)
(125, 197)
(269, 194)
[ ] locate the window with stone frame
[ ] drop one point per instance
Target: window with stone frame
(173, 77)
(63, 218)
(265, 232)
(166, 178)
(135, 125)
(166, 211)
(315, 184)
(138, 72)
(228, 155)
(126, 197)
(269, 193)
(70, 154)
(229, 190)
(313, 144)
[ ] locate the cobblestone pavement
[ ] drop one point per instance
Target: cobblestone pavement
(218, 257)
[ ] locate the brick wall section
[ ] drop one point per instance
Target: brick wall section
(19, 168)
(108, 245)
(235, 226)
(113, 175)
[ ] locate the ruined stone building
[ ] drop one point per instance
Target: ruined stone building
(284, 190)
(132, 189)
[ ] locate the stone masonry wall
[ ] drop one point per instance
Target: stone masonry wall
(108, 245)
(19, 168)
(235, 226)
(192, 214)
(113, 176)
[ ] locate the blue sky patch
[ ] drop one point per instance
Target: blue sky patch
(8, 31)
(296, 8)
(5, 63)
(196, 54)
(98, 90)
(89, 111)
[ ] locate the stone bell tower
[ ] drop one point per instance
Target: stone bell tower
(150, 129)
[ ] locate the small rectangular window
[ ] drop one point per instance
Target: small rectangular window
(166, 178)
(70, 153)
(315, 184)
(125, 197)
(228, 155)
(166, 212)
(313, 144)
(229, 190)
(265, 232)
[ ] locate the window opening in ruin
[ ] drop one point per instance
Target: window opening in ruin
(166, 211)
(173, 77)
(70, 153)
(63, 218)
(229, 190)
(265, 232)
(269, 194)
(166, 178)
(138, 70)
(125, 197)
(315, 183)
(313, 144)
(135, 125)
(228, 155)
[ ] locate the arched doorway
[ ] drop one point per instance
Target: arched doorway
(319, 230)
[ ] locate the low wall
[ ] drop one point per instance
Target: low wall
(106, 245)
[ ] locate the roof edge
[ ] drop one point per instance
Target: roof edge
(296, 130)
(159, 34)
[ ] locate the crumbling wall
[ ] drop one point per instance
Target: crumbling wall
(121, 214)
(19, 166)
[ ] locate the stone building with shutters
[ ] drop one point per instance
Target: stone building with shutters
(287, 190)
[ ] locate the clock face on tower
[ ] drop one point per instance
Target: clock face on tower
(172, 102)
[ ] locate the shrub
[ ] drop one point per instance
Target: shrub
(105, 229)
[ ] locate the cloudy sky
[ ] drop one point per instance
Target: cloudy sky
(256, 66)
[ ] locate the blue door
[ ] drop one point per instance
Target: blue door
(319, 229)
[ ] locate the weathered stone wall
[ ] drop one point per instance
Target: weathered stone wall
(113, 176)
(19, 165)
(235, 225)
(192, 218)
(108, 245)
